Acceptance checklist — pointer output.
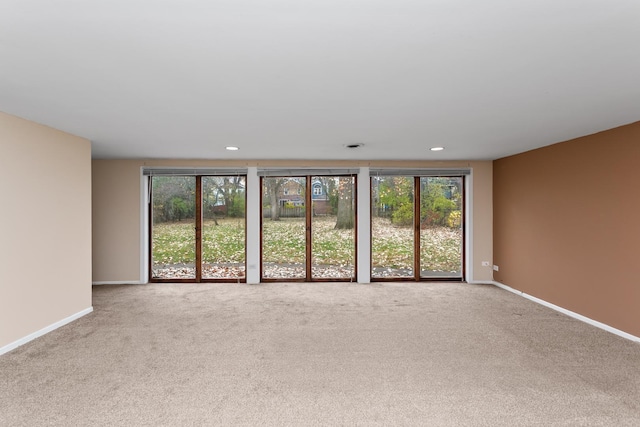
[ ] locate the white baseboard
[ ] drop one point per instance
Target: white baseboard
(43, 331)
(119, 282)
(569, 313)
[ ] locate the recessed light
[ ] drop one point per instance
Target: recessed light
(437, 148)
(232, 148)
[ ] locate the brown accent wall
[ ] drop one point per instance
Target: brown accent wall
(567, 225)
(45, 235)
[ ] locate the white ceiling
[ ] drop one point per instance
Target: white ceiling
(299, 79)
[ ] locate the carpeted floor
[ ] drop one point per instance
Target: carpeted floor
(436, 354)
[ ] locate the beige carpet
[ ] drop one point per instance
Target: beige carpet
(439, 354)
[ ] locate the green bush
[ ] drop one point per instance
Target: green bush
(436, 209)
(403, 216)
(237, 207)
(178, 209)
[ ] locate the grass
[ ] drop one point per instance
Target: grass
(284, 243)
(175, 242)
(392, 247)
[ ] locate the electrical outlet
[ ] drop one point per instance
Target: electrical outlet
(496, 268)
(485, 263)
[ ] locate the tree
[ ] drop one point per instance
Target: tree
(233, 193)
(272, 187)
(345, 218)
(173, 197)
(393, 198)
(229, 190)
(439, 198)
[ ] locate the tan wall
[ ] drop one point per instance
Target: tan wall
(116, 220)
(482, 205)
(566, 225)
(45, 246)
(116, 209)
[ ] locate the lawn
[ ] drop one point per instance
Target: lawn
(284, 243)
(392, 247)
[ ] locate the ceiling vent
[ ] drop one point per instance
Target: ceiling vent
(353, 146)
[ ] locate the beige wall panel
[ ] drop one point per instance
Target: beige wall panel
(116, 204)
(482, 244)
(116, 220)
(45, 250)
(566, 225)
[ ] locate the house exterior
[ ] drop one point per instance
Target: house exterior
(291, 198)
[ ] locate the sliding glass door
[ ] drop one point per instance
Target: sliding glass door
(197, 228)
(417, 227)
(392, 227)
(223, 227)
(333, 228)
(441, 233)
(173, 238)
(284, 228)
(308, 228)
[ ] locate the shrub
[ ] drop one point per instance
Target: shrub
(178, 209)
(436, 209)
(454, 219)
(403, 216)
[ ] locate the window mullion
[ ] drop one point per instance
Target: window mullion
(198, 229)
